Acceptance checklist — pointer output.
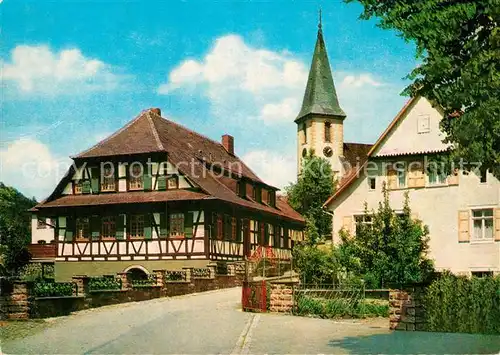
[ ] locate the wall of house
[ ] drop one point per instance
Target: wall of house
(437, 207)
(41, 234)
(65, 270)
(409, 134)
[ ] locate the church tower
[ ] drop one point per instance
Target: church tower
(320, 121)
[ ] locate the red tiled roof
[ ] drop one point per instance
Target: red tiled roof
(192, 153)
(123, 197)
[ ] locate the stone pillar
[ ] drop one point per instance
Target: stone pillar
(19, 307)
(160, 278)
(406, 311)
(231, 270)
(281, 298)
(189, 273)
(213, 270)
(125, 282)
(82, 282)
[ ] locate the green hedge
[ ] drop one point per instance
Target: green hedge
(104, 283)
(341, 308)
(53, 289)
(461, 304)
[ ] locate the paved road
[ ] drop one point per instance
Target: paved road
(212, 323)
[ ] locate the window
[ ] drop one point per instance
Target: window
(484, 176)
(305, 133)
(436, 178)
(137, 226)
(364, 219)
(82, 228)
(227, 227)
(424, 124)
(234, 229)
(176, 225)
(372, 183)
(482, 273)
(173, 182)
(401, 172)
(328, 131)
(108, 227)
(136, 181)
(396, 176)
(40, 223)
(77, 187)
(483, 224)
(108, 179)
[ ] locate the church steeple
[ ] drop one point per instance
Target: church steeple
(320, 96)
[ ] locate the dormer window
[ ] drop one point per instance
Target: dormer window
(136, 181)
(77, 187)
(271, 198)
(108, 179)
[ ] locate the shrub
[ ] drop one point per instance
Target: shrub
(104, 283)
(53, 289)
(460, 304)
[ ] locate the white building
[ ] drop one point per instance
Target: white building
(462, 211)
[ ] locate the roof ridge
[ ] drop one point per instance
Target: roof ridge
(192, 131)
(154, 130)
(98, 144)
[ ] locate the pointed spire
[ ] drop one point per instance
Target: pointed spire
(320, 96)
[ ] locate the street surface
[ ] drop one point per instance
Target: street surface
(212, 322)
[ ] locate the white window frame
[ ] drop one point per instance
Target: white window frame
(370, 178)
(363, 217)
(483, 218)
(403, 171)
(438, 182)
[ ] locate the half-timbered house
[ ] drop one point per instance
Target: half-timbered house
(156, 195)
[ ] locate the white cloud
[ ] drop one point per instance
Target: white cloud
(360, 81)
(263, 80)
(37, 69)
(30, 166)
(273, 168)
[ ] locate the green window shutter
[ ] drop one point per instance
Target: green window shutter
(188, 225)
(120, 226)
(95, 227)
(148, 183)
(95, 185)
(163, 224)
(162, 183)
(86, 187)
(147, 226)
(266, 234)
(70, 229)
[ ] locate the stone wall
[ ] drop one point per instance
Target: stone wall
(281, 297)
(14, 300)
(406, 311)
(18, 302)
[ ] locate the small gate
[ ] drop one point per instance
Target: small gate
(254, 296)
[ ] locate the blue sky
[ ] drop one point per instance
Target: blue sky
(74, 72)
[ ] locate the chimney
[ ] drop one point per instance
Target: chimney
(228, 143)
(155, 110)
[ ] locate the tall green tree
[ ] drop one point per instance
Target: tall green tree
(15, 230)
(314, 185)
(392, 249)
(458, 43)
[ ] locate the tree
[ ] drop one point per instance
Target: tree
(14, 228)
(315, 184)
(392, 249)
(458, 42)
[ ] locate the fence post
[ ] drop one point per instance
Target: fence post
(123, 277)
(81, 282)
(160, 278)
